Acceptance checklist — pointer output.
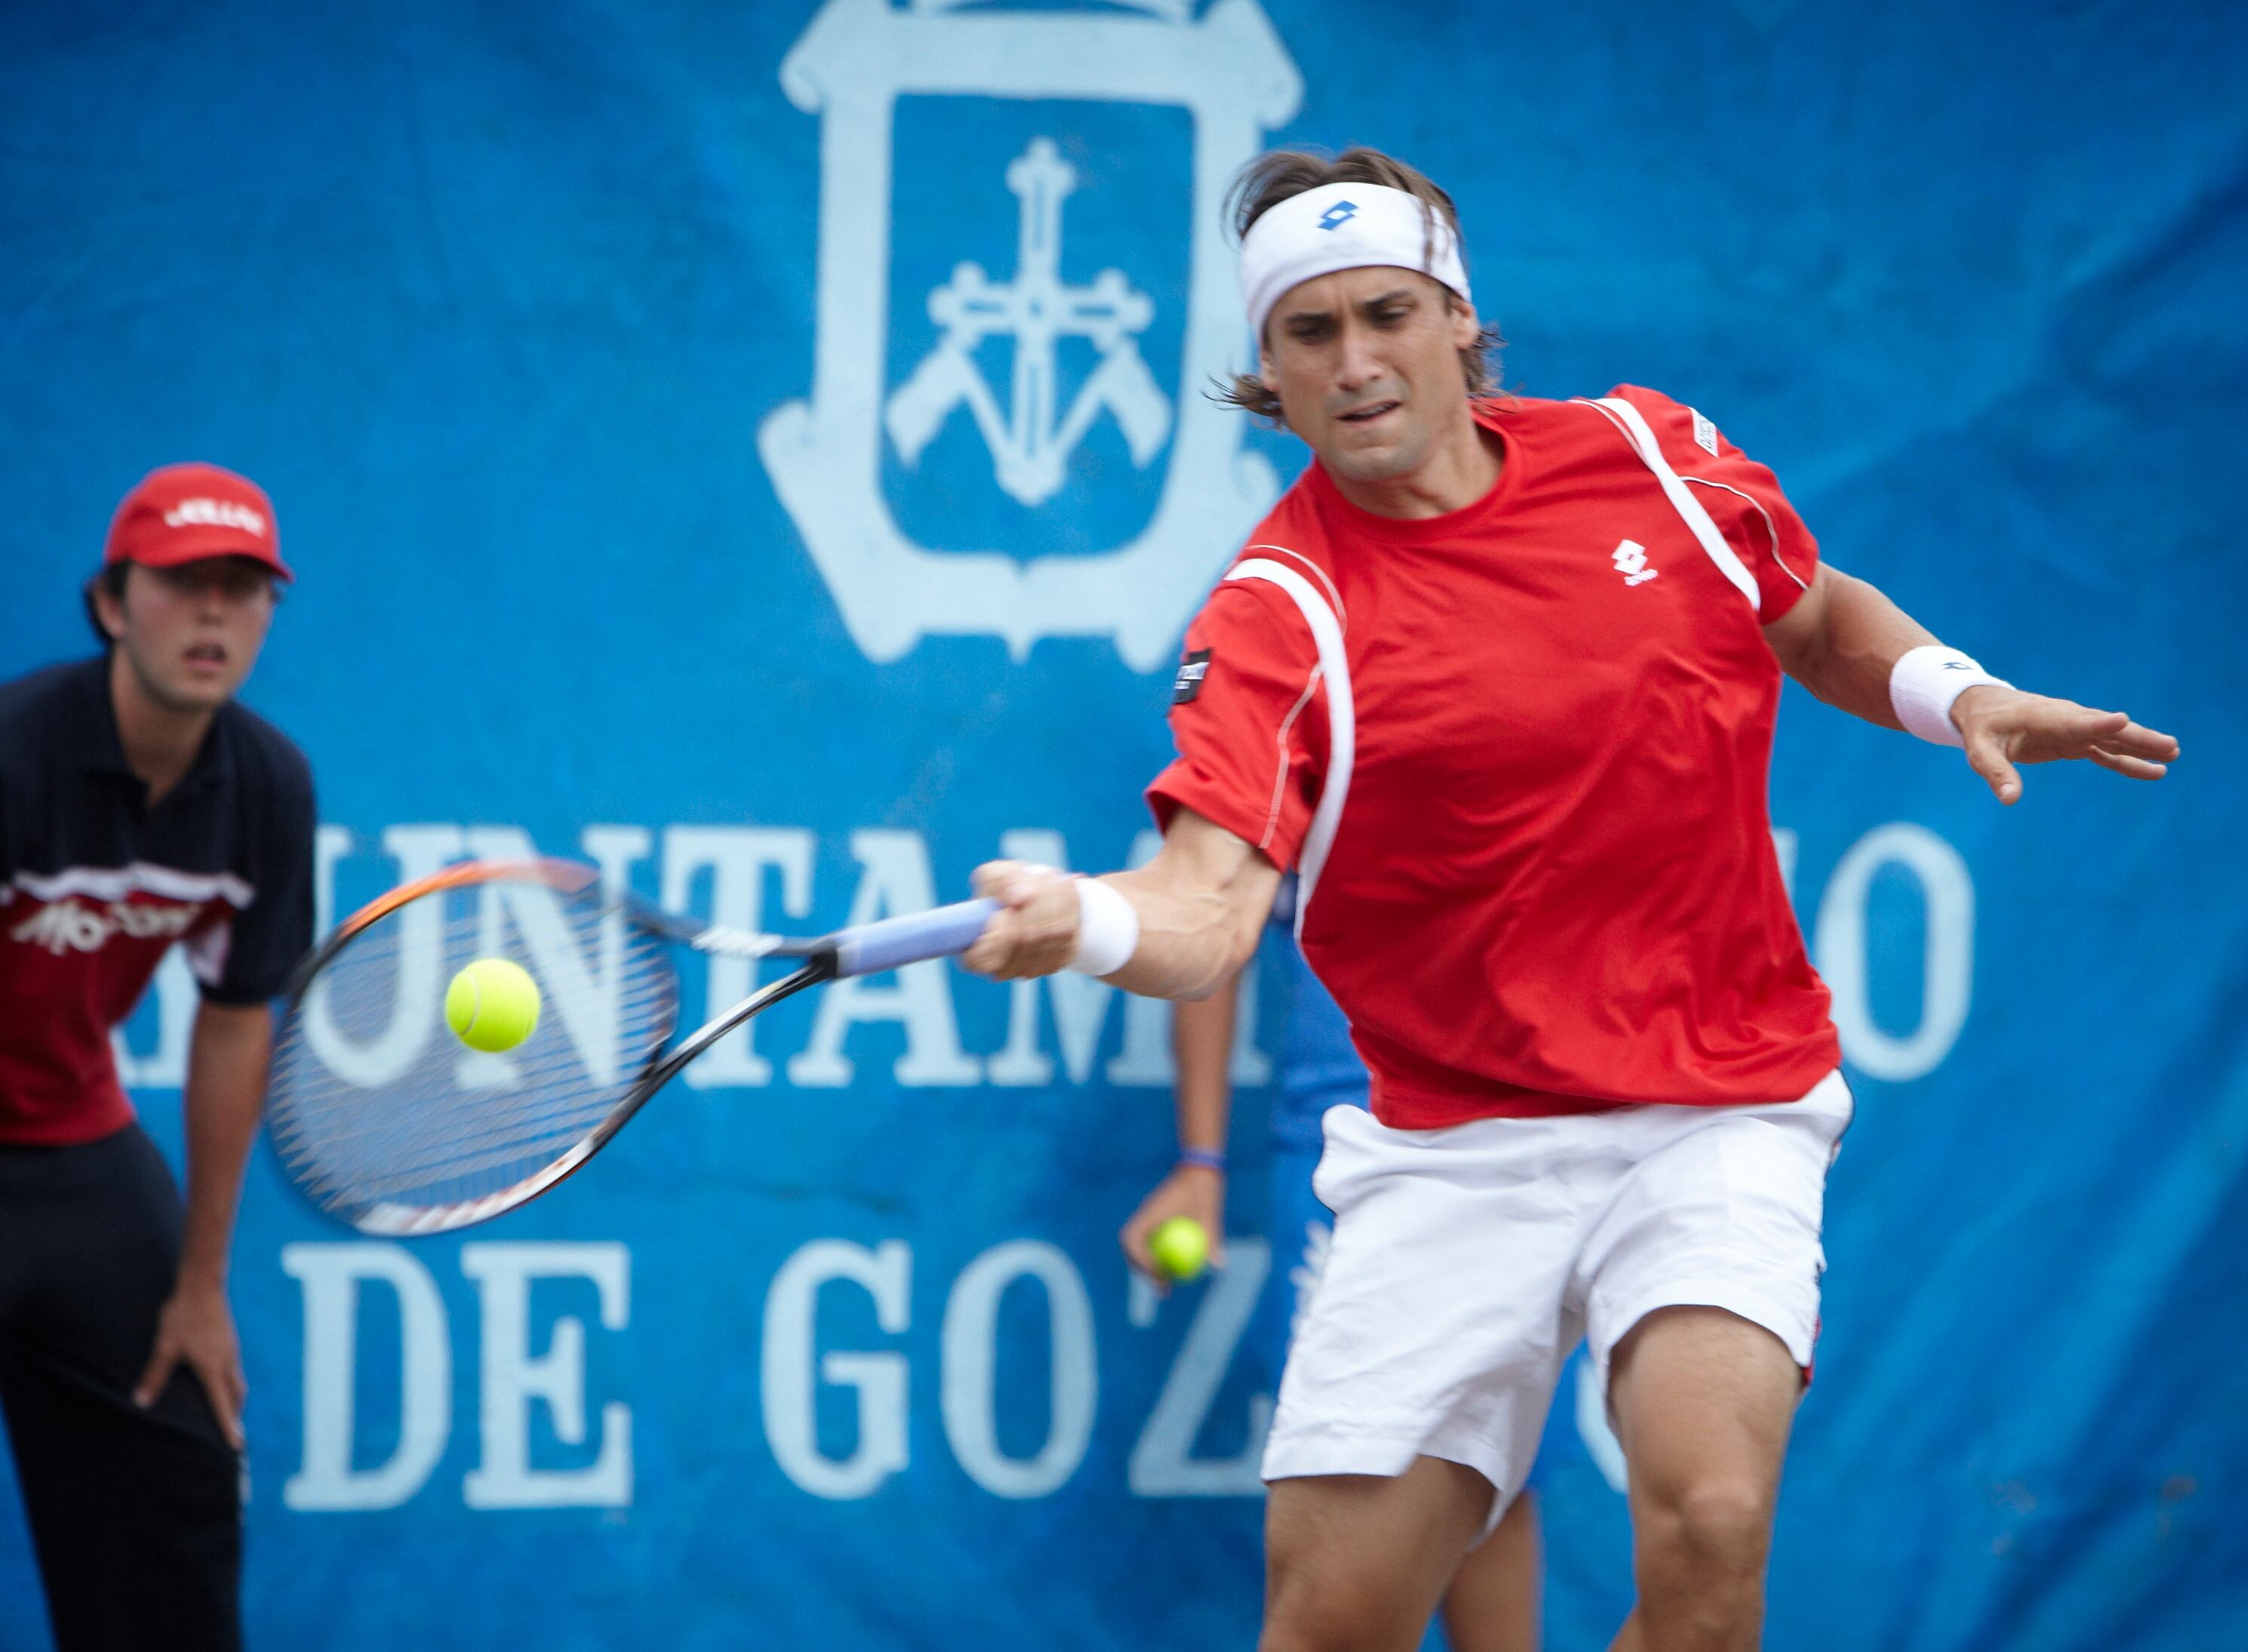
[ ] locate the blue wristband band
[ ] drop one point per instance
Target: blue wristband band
(1203, 1157)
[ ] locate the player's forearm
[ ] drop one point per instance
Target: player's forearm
(1847, 662)
(226, 1092)
(1201, 1040)
(1192, 940)
(1186, 921)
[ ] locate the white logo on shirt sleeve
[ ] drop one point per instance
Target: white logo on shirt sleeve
(1705, 433)
(1630, 560)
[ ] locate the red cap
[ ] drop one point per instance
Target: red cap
(185, 512)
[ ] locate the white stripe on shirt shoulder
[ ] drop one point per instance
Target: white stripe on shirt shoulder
(1334, 597)
(1771, 530)
(1640, 437)
(1333, 670)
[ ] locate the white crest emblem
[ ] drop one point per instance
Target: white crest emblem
(1029, 450)
(1232, 76)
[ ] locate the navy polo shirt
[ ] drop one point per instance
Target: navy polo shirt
(96, 886)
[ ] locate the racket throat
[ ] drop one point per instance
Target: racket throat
(815, 970)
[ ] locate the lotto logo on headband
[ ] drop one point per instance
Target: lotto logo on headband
(1345, 226)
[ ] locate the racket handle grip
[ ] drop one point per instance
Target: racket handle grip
(868, 948)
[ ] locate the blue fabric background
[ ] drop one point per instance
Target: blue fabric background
(494, 299)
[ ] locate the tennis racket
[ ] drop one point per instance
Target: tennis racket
(390, 1123)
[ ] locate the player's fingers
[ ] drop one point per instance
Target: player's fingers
(159, 1372)
(2083, 722)
(217, 1378)
(2054, 731)
(994, 951)
(2135, 740)
(2120, 762)
(1046, 924)
(1034, 933)
(1134, 1238)
(985, 951)
(1135, 1241)
(1036, 952)
(1024, 883)
(993, 877)
(1015, 883)
(1986, 756)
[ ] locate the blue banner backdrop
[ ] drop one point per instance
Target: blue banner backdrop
(650, 398)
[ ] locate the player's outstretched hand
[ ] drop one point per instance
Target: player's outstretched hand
(1193, 1191)
(197, 1327)
(1035, 930)
(2004, 727)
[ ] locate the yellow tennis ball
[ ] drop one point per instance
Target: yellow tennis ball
(1181, 1247)
(492, 1005)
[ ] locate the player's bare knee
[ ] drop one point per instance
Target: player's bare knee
(1312, 1604)
(1330, 1618)
(1717, 1525)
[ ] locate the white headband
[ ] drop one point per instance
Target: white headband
(1344, 226)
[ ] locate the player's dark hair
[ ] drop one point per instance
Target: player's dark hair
(1282, 174)
(112, 579)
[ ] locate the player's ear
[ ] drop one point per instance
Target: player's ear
(1467, 327)
(105, 603)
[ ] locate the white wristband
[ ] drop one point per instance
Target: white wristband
(1108, 929)
(1924, 684)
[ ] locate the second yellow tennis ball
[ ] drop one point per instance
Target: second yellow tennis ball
(1181, 1247)
(492, 1005)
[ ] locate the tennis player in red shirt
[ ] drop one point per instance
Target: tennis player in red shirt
(1497, 679)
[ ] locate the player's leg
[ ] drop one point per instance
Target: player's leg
(1700, 1281)
(1357, 1562)
(1302, 1232)
(1492, 1605)
(1417, 1385)
(1703, 1401)
(135, 1514)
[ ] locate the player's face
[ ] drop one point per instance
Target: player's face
(1366, 366)
(192, 633)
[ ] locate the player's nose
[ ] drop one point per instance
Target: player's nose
(1356, 364)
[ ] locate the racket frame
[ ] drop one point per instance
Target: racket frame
(818, 962)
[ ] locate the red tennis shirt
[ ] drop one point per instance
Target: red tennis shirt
(1543, 881)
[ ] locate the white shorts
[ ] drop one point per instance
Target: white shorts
(1467, 1262)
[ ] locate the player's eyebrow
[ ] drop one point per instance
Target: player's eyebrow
(1393, 295)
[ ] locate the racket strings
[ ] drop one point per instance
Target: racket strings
(456, 1148)
(375, 1099)
(493, 1107)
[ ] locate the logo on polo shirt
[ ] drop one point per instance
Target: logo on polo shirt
(214, 513)
(67, 926)
(1630, 560)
